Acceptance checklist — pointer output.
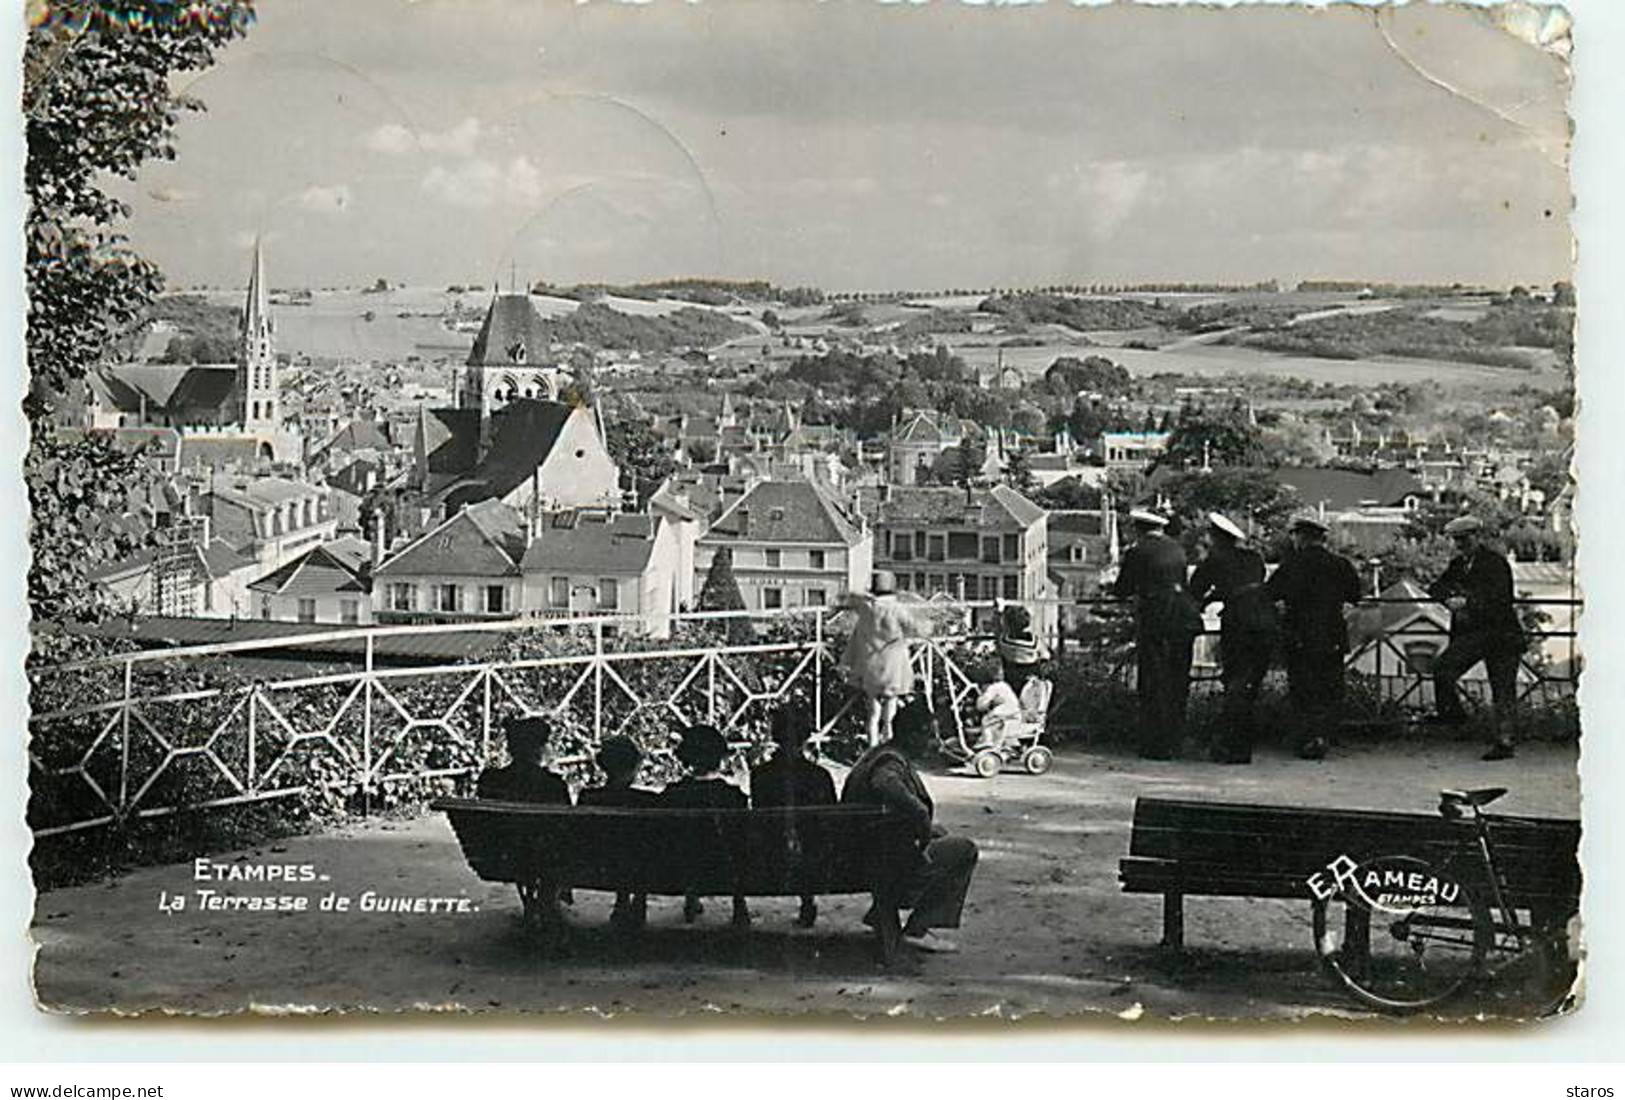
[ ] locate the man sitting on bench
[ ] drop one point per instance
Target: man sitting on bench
(936, 886)
(789, 780)
(523, 779)
(619, 758)
(701, 750)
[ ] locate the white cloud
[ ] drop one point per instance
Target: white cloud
(480, 183)
(1114, 191)
(393, 139)
(334, 199)
(458, 141)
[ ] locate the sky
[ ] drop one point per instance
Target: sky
(855, 145)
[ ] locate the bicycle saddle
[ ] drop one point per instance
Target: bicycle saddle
(1481, 797)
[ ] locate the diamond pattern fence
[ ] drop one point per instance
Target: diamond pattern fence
(149, 734)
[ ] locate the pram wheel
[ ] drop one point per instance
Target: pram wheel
(1037, 759)
(987, 763)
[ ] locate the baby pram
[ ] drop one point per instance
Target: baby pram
(965, 739)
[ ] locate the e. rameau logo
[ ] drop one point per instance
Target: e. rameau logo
(1396, 889)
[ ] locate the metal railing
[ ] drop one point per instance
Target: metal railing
(152, 733)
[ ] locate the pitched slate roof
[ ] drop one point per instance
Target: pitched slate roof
(786, 511)
(1341, 490)
(451, 439)
(260, 493)
(320, 571)
(358, 435)
(511, 321)
(1074, 528)
(486, 539)
(1000, 508)
(676, 502)
(522, 436)
(221, 559)
(166, 386)
(204, 387)
(591, 542)
(927, 426)
(353, 478)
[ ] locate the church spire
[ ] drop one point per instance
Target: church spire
(257, 309)
(256, 358)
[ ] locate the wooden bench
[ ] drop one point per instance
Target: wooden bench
(1182, 847)
(746, 853)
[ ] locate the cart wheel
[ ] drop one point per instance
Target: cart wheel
(1038, 759)
(987, 763)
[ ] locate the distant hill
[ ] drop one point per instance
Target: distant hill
(1081, 314)
(597, 325)
(204, 333)
(1410, 332)
(705, 292)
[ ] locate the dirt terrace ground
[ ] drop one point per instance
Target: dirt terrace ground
(1047, 930)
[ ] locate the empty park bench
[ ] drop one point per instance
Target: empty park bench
(1183, 847)
(746, 853)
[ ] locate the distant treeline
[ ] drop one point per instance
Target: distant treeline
(204, 333)
(705, 292)
(597, 325)
(1081, 314)
(1390, 290)
(1409, 331)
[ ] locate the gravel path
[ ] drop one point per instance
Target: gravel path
(1047, 930)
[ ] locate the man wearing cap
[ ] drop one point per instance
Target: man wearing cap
(1314, 584)
(934, 883)
(523, 778)
(1477, 588)
(1233, 574)
(701, 749)
(788, 780)
(1166, 623)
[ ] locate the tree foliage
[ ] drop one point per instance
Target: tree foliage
(1247, 495)
(720, 592)
(98, 102)
(1221, 437)
(1095, 373)
(1069, 494)
(644, 458)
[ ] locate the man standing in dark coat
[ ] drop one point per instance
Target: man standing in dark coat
(1314, 584)
(1166, 623)
(1233, 575)
(1477, 588)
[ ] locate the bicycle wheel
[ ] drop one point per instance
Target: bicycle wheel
(1531, 975)
(1401, 934)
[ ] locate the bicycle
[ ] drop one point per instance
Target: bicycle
(1415, 932)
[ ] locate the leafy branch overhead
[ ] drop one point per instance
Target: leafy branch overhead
(98, 102)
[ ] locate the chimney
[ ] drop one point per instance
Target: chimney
(377, 540)
(744, 521)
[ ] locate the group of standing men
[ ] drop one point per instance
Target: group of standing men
(1298, 611)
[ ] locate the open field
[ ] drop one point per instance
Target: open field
(407, 322)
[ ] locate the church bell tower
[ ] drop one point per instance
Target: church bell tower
(256, 359)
